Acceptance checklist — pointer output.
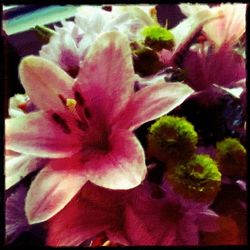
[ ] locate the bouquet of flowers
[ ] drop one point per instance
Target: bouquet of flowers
(131, 132)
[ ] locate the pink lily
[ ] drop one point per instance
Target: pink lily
(85, 125)
(226, 30)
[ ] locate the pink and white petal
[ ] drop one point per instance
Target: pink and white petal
(44, 81)
(189, 9)
(122, 167)
(208, 221)
(228, 29)
(52, 189)
(17, 167)
(152, 102)
(37, 134)
(106, 76)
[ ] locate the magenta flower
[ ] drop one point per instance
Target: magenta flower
(135, 217)
(223, 67)
(85, 126)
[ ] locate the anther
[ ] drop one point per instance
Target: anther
(70, 103)
(79, 98)
(59, 120)
(87, 113)
(62, 98)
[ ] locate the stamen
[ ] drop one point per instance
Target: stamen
(71, 105)
(59, 120)
(23, 106)
(87, 112)
(62, 98)
(79, 98)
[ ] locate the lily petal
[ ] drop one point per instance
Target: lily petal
(123, 167)
(189, 9)
(106, 77)
(36, 134)
(44, 81)
(152, 102)
(17, 167)
(52, 189)
(230, 28)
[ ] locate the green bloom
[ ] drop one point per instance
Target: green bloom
(231, 156)
(157, 33)
(198, 179)
(157, 37)
(172, 140)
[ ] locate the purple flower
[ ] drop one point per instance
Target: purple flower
(16, 221)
